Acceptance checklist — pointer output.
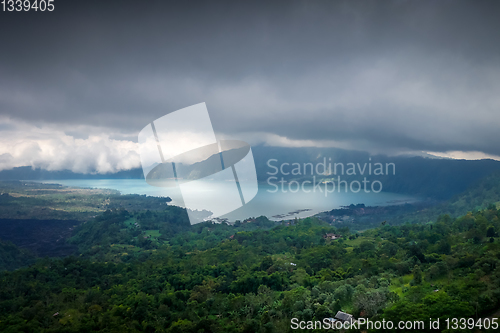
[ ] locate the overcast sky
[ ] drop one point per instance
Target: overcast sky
(78, 84)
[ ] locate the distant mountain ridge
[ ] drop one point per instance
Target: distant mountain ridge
(478, 196)
(433, 178)
(481, 195)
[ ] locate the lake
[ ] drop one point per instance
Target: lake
(276, 206)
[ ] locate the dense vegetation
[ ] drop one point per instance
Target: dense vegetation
(12, 257)
(28, 200)
(139, 265)
(256, 281)
(106, 237)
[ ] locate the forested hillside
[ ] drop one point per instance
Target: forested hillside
(256, 281)
(428, 177)
(142, 270)
(13, 257)
(476, 197)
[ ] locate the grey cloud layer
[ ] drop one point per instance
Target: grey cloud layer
(388, 76)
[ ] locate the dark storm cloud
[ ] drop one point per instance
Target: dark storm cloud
(380, 75)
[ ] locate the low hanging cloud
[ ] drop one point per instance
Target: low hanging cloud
(50, 148)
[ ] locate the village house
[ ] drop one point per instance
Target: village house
(343, 317)
(331, 236)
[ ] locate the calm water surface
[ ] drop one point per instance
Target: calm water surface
(275, 206)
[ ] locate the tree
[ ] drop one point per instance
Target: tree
(266, 263)
(444, 247)
(371, 302)
(417, 276)
(490, 232)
